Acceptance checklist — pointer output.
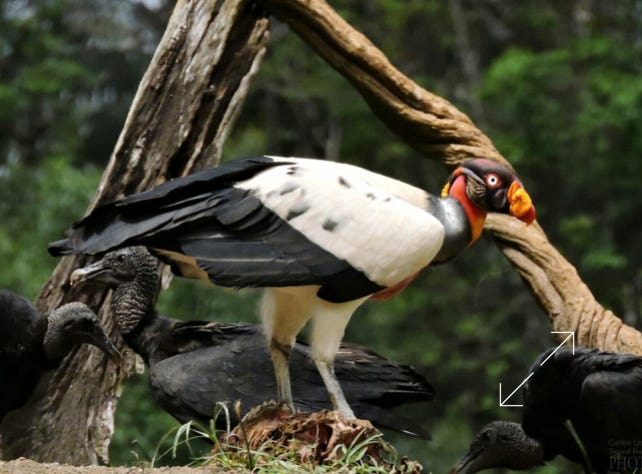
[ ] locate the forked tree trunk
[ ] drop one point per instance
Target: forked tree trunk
(435, 127)
(182, 112)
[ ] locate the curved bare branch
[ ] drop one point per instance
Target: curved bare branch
(436, 128)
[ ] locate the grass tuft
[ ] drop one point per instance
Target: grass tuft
(272, 459)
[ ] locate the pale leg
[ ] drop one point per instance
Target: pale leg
(329, 323)
(280, 355)
(284, 312)
(339, 402)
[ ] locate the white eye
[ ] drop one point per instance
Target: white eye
(492, 180)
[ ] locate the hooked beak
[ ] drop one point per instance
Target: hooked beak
(95, 271)
(102, 341)
(521, 205)
(465, 461)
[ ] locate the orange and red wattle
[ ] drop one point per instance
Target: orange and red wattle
(521, 205)
(476, 216)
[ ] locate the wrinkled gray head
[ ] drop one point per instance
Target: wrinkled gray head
(119, 266)
(500, 444)
(73, 324)
(132, 273)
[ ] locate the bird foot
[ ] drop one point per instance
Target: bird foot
(285, 406)
(270, 409)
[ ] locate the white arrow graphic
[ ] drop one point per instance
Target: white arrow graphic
(571, 335)
(502, 403)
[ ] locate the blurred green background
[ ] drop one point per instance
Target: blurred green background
(556, 85)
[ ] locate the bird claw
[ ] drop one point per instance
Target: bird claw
(285, 406)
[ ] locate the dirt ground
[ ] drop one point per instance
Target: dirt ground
(26, 466)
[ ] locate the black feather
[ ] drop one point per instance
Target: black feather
(232, 363)
(140, 214)
(22, 359)
(228, 232)
(598, 393)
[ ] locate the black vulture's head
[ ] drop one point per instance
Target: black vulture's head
(133, 275)
(500, 444)
(117, 267)
(73, 324)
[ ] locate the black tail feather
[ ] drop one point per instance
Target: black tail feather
(60, 248)
(130, 220)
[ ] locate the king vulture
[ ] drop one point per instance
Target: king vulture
(322, 237)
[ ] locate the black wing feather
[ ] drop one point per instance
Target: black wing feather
(237, 366)
(140, 214)
(18, 316)
(21, 357)
(228, 232)
(599, 392)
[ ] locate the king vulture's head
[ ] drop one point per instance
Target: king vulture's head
(490, 187)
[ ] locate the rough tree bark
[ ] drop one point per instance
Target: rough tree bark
(182, 112)
(436, 128)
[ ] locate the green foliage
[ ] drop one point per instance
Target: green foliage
(572, 115)
(198, 300)
(37, 75)
(65, 86)
(36, 205)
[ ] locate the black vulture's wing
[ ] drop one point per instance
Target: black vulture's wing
(17, 318)
(372, 384)
(21, 358)
(237, 367)
(608, 417)
(598, 392)
(185, 336)
(188, 385)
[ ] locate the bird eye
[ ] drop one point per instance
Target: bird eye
(121, 258)
(492, 180)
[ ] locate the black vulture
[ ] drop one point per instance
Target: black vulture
(194, 364)
(322, 237)
(31, 344)
(594, 395)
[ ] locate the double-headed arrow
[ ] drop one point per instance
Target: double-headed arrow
(571, 336)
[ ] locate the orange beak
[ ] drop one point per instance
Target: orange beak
(520, 202)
